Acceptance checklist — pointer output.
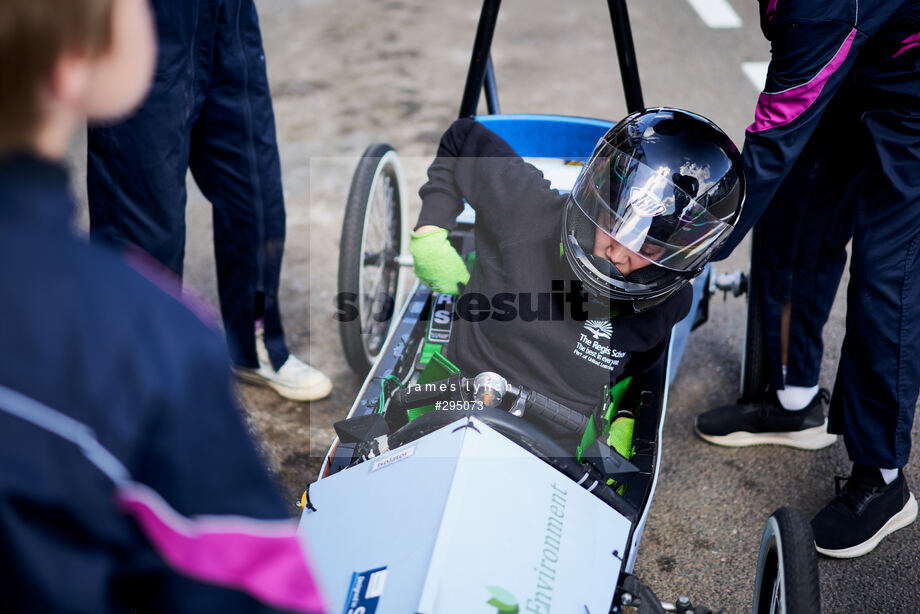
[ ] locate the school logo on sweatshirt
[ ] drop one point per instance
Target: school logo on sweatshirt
(599, 329)
(593, 345)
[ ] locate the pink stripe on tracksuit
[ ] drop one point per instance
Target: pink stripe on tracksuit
(780, 108)
(908, 43)
(262, 558)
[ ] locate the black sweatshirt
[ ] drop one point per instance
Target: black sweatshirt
(562, 352)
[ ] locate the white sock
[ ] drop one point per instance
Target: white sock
(889, 475)
(795, 398)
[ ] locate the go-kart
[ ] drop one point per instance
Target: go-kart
(441, 492)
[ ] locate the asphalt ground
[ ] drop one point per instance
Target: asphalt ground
(350, 73)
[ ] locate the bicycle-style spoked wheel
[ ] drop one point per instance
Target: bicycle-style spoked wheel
(373, 246)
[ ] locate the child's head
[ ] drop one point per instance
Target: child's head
(62, 61)
(659, 195)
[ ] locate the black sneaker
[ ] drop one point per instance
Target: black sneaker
(766, 422)
(862, 513)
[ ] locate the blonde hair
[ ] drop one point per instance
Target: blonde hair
(34, 34)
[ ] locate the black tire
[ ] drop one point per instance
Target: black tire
(754, 378)
(787, 567)
(373, 239)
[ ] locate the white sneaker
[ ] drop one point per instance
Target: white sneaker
(295, 380)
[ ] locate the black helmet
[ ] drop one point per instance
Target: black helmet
(667, 185)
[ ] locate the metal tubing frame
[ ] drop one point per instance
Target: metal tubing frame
(491, 89)
(480, 60)
(626, 55)
(482, 74)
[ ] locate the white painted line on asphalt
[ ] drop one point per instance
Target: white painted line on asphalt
(716, 13)
(757, 73)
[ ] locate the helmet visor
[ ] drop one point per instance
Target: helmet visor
(646, 211)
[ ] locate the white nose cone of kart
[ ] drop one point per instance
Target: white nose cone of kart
(462, 520)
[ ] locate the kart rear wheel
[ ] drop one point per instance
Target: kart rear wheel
(787, 567)
(374, 243)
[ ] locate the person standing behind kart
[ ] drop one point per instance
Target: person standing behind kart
(210, 111)
(128, 482)
(837, 132)
(658, 196)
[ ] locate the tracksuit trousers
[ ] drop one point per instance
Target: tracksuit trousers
(834, 151)
(210, 111)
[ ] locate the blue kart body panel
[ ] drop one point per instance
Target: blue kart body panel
(548, 136)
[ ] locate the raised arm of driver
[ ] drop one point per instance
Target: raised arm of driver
(475, 164)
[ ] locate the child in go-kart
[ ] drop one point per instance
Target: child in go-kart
(569, 293)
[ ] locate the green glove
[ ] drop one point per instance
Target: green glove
(621, 436)
(437, 263)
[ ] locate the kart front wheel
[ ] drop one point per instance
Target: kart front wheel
(373, 248)
(787, 567)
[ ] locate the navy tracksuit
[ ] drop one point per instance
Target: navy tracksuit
(103, 373)
(834, 151)
(210, 111)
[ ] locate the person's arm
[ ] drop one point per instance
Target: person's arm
(475, 164)
(236, 548)
(811, 54)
